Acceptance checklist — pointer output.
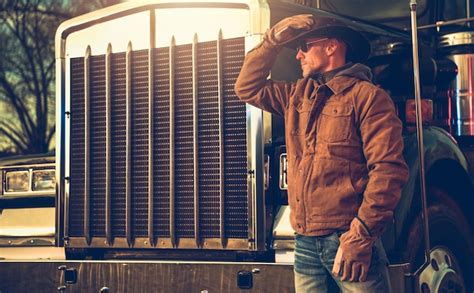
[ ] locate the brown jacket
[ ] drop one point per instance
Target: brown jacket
(344, 154)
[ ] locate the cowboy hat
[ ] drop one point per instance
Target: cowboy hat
(358, 47)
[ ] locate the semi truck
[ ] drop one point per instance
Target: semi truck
(163, 181)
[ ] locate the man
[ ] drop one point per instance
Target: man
(344, 144)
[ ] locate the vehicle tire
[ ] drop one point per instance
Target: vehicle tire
(448, 228)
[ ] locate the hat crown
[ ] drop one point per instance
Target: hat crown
(358, 46)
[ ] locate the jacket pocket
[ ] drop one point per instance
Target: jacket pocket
(335, 122)
(331, 195)
(298, 119)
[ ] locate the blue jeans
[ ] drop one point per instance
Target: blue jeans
(314, 259)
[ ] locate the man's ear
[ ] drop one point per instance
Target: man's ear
(336, 47)
(332, 46)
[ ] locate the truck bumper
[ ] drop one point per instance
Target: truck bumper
(143, 276)
(147, 276)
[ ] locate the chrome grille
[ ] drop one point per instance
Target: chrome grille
(210, 142)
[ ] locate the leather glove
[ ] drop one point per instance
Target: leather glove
(353, 256)
(289, 29)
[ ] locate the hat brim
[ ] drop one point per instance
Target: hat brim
(358, 45)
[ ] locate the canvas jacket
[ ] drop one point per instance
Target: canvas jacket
(344, 144)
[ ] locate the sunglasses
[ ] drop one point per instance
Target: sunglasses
(303, 46)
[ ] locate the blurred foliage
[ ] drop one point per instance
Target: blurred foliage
(27, 70)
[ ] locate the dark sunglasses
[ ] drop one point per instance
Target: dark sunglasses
(303, 46)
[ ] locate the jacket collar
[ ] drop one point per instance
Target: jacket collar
(340, 83)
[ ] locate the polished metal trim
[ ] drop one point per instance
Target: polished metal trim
(127, 8)
(164, 243)
(195, 140)
(62, 145)
(87, 97)
(30, 179)
(220, 100)
(29, 241)
(63, 151)
(172, 128)
(255, 140)
(28, 194)
(35, 167)
(439, 24)
(456, 39)
(108, 144)
(266, 172)
(151, 98)
(128, 160)
(283, 181)
(285, 244)
(419, 131)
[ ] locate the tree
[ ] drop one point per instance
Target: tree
(27, 68)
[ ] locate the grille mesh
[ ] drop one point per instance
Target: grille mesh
(235, 144)
(234, 137)
(140, 143)
(97, 145)
(183, 158)
(76, 199)
(208, 137)
(161, 132)
(118, 107)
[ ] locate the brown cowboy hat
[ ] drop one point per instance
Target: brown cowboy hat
(358, 47)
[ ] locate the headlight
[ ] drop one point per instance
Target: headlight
(29, 182)
(43, 180)
(17, 181)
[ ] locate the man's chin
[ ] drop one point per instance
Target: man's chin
(308, 72)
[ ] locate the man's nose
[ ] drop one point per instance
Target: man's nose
(299, 54)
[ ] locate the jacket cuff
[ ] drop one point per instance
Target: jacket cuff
(359, 229)
(373, 228)
(265, 46)
(364, 226)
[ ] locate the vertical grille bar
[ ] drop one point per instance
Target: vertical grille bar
(172, 127)
(108, 143)
(151, 135)
(87, 131)
(195, 142)
(220, 95)
(128, 164)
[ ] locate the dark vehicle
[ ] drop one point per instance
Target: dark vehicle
(165, 181)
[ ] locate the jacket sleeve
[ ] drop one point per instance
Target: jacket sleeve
(252, 85)
(381, 133)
